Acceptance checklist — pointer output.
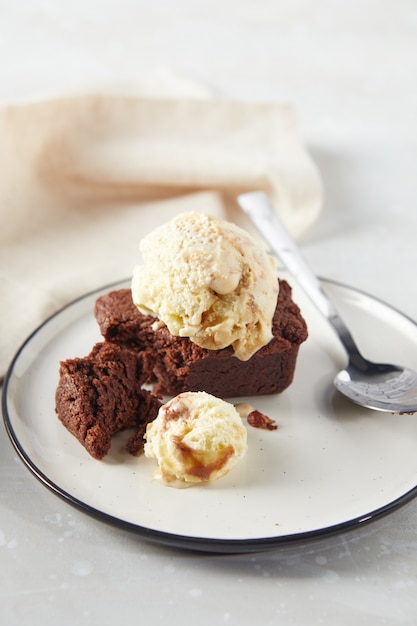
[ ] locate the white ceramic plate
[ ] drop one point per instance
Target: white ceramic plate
(329, 467)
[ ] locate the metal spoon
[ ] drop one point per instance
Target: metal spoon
(378, 386)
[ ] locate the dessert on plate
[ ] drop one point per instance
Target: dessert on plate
(206, 312)
(181, 365)
(208, 306)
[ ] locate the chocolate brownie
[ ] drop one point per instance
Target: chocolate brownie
(181, 365)
(101, 394)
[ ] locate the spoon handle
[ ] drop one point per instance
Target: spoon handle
(258, 208)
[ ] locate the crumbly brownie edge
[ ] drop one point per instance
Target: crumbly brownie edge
(101, 394)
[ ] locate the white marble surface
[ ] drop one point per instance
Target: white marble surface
(351, 69)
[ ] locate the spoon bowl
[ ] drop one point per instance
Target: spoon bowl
(382, 386)
(379, 386)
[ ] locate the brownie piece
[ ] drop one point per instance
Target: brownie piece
(101, 394)
(181, 365)
(120, 321)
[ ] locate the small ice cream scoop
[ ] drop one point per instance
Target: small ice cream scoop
(195, 438)
(209, 280)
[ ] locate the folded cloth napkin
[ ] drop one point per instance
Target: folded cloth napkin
(84, 178)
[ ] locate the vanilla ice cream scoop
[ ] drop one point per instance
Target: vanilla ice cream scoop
(195, 438)
(209, 280)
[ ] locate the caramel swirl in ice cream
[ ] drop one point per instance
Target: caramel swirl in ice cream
(195, 438)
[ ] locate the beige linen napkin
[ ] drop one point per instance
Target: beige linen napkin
(84, 178)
